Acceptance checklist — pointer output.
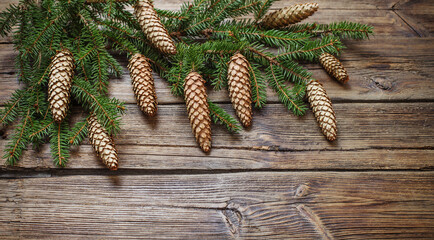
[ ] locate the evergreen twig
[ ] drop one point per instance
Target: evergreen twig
(208, 32)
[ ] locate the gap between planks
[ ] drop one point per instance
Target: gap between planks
(41, 173)
(247, 205)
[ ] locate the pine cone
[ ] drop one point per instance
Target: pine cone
(289, 15)
(152, 27)
(322, 108)
(143, 84)
(198, 109)
(334, 67)
(239, 88)
(59, 84)
(102, 143)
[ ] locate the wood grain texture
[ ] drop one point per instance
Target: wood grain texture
(377, 13)
(376, 132)
(419, 15)
(278, 180)
(327, 4)
(265, 205)
(396, 69)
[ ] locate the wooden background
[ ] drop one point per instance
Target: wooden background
(278, 180)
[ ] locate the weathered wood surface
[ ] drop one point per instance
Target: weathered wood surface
(277, 140)
(278, 180)
(418, 14)
(261, 205)
(396, 69)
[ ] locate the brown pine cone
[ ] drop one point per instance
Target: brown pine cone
(289, 15)
(102, 143)
(152, 27)
(198, 109)
(239, 88)
(59, 84)
(322, 108)
(334, 67)
(143, 84)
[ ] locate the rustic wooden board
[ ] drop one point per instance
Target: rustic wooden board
(277, 140)
(264, 205)
(419, 15)
(377, 13)
(396, 69)
(278, 180)
(155, 158)
(324, 4)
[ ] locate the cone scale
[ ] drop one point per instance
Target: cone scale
(333, 67)
(59, 84)
(102, 143)
(322, 109)
(152, 27)
(143, 84)
(239, 88)
(198, 109)
(289, 15)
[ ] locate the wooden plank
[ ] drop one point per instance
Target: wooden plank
(327, 4)
(418, 14)
(397, 69)
(266, 205)
(386, 24)
(324, 4)
(376, 13)
(156, 158)
(371, 136)
(387, 125)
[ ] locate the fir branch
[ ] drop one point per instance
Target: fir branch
(41, 130)
(176, 76)
(42, 78)
(9, 18)
(87, 53)
(245, 9)
(100, 68)
(259, 92)
(59, 144)
(301, 27)
(213, 4)
(295, 73)
(107, 110)
(194, 28)
(47, 31)
(263, 8)
(89, 27)
(311, 50)
(19, 141)
(121, 45)
(221, 12)
(38, 98)
(11, 109)
(266, 60)
(78, 133)
(170, 14)
(273, 37)
(220, 116)
(189, 58)
(219, 75)
(344, 29)
(291, 100)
